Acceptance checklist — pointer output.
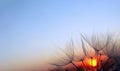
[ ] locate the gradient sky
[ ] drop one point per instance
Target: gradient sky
(31, 29)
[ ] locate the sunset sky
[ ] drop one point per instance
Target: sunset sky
(30, 30)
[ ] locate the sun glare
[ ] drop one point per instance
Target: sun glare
(93, 62)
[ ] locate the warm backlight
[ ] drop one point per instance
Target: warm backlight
(93, 62)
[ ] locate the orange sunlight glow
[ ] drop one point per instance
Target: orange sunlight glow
(93, 62)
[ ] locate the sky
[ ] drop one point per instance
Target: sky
(30, 30)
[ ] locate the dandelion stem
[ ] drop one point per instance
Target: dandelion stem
(84, 65)
(75, 66)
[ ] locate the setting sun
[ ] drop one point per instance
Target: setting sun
(93, 62)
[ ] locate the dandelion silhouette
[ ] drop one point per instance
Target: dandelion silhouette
(98, 43)
(97, 53)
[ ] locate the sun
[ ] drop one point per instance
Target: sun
(93, 62)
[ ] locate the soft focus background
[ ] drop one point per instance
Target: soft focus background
(30, 30)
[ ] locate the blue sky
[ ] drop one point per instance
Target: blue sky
(30, 29)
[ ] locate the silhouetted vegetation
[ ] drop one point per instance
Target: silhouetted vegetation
(104, 48)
